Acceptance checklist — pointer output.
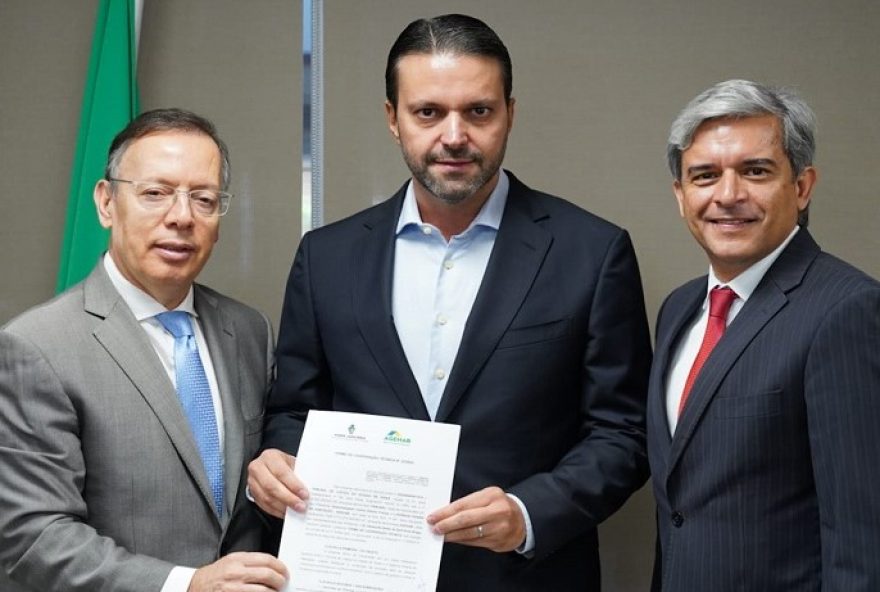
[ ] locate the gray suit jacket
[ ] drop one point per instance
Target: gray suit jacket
(772, 479)
(101, 483)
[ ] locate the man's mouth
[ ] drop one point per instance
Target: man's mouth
(732, 223)
(174, 250)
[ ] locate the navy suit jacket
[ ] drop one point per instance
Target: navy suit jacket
(548, 385)
(771, 479)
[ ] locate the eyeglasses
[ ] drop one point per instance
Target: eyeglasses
(158, 196)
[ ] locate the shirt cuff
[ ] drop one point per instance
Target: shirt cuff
(529, 544)
(178, 580)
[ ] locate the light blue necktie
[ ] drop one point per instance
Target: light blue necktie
(195, 397)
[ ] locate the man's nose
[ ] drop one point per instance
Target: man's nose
(454, 131)
(731, 188)
(180, 212)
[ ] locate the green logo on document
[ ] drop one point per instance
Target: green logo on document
(396, 437)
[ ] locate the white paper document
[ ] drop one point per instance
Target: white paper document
(372, 480)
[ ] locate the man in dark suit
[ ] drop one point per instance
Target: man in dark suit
(469, 298)
(130, 403)
(764, 398)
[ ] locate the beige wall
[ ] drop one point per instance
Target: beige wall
(597, 84)
(237, 63)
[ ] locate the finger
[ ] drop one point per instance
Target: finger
(281, 465)
(273, 484)
(266, 576)
(275, 504)
(255, 559)
(247, 570)
(477, 499)
(465, 520)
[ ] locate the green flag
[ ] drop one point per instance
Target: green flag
(110, 101)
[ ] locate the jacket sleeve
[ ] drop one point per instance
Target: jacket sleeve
(609, 463)
(842, 392)
(46, 543)
(302, 381)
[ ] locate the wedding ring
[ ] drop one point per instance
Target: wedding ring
(479, 531)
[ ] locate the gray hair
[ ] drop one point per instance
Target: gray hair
(743, 98)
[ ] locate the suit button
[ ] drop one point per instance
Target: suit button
(677, 519)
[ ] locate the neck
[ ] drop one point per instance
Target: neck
(451, 218)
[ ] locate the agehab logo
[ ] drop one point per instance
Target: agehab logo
(395, 437)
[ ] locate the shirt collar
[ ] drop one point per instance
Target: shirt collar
(142, 305)
(489, 215)
(745, 283)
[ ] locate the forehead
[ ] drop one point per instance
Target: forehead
(172, 148)
(434, 76)
(745, 136)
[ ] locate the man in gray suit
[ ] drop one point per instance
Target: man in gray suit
(123, 434)
(764, 398)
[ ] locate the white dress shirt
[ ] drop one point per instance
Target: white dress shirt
(744, 285)
(145, 308)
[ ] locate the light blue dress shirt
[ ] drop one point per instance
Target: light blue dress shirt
(434, 287)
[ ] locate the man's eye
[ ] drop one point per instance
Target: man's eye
(426, 113)
(206, 199)
(703, 177)
(756, 171)
(156, 192)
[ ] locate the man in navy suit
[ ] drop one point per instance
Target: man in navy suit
(763, 450)
(469, 298)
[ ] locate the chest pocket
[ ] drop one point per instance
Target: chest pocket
(762, 404)
(535, 333)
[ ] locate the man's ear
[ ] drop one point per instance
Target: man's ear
(104, 204)
(391, 118)
(679, 196)
(805, 183)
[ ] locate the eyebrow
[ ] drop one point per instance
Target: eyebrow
(701, 168)
(759, 161)
(430, 104)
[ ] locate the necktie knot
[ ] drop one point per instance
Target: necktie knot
(177, 323)
(720, 300)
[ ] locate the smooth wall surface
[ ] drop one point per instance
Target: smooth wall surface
(597, 85)
(237, 63)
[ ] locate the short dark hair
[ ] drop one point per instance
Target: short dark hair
(458, 34)
(162, 120)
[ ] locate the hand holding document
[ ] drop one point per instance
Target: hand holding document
(372, 480)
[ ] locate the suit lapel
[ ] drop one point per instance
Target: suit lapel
(519, 251)
(768, 299)
(679, 319)
(373, 264)
(127, 344)
(220, 336)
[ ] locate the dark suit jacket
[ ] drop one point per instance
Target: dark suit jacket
(101, 483)
(548, 385)
(772, 480)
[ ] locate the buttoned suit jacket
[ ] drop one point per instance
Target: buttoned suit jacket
(771, 479)
(548, 385)
(101, 483)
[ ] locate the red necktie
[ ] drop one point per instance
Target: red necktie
(720, 300)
